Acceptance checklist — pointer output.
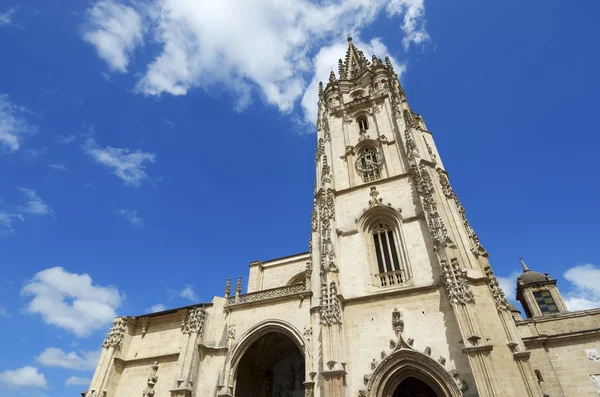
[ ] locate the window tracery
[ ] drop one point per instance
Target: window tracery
(369, 164)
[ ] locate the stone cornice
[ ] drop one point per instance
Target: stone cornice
(477, 349)
(285, 293)
(160, 357)
(397, 291)
(558, 316)
(204, 347)
(532, 340)
(367, 184)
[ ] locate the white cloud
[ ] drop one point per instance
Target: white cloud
(13, 125)
(65, 138)
(23, 377)
(35, 205)
(188, 293)
(156, 308)
(4, 313)
(509, 285)
(115, 30)
(6, 222)
(132, 217)
(127, 165)
(77, 381)
(413, 25)
(60, 167)
(6, 17)
(70, 301)
(82, 361)
(264, 46)
(586, 283)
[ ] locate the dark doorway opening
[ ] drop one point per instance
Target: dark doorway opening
(412, 387)
(272, 366)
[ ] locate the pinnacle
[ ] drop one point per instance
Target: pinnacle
(525, 268)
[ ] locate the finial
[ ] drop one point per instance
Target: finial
(332, 78)
(238, 287)
(349, 37)
(228, 288)
(388, 63)
(320, 88)
(525, 268)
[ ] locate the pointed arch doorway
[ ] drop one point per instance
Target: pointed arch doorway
(272, 366)
(413, 387)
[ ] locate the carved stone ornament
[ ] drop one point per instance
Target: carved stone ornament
(320, 150)
(592, 355)
(435, 223)
(330, 310)
(499, 297)
(116, 334)
(231, 332)
(308, 334)
(152, 379)
(325, 172)
(428, 350)
(432, 155)
(455, 281)
(93, 393)
(411, 147)
(442, 360)
(194, 323)
(314, 220)
(397, 322)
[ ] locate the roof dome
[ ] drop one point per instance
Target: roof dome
(529, 277)
(513, 308)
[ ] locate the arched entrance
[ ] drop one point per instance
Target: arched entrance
(412, 387)
(272, 366)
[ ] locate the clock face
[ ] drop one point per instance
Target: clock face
(369, 161)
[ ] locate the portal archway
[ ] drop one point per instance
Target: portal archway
(271, 366)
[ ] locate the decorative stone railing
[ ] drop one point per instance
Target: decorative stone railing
(392, 278)
(266, 294)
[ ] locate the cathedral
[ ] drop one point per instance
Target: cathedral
(394, 298)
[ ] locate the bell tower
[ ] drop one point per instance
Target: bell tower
(386, 224)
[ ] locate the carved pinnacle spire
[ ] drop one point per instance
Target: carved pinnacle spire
(228, 288)
(320, 88)
(525, 268)
(389, 65)
(238, 287)
(341, 68)
(332, 78)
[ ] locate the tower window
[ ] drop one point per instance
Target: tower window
(369, 164)
(545, 302)
(387, 255)
(363, 124)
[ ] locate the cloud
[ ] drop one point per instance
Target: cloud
(82, 361)
(586, 292)
(65, 138)
(262, 47)
(157, 308)
(188, 293)
(4, 313)
(6, 17)
(132, 217)
(35, 205)
(509, 285)
(115, 30)
(60, 167)
(14, 127)
(413, 25)
(6, 222)
(23, 377)
(70, 301)
(77, 381)
(127, 165)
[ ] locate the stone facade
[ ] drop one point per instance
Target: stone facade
(394, 297)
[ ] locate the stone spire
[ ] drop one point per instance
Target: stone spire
(354, 62)
(525, 268)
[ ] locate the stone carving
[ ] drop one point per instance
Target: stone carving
(268, 294)
(320, 150)
(445, 183)
(231, 332)
(238, 286)
(308, 334)
(326, 217)
(152, 379)
(393, 344)
(314, 220)
(330, 312)
(93, 393)
(453, 373)
(410, 120)
(411, 148)
(309, 263)
(462, 385)
(477, 248)
(435, 223)
(362, 393)
(432, 155)
(592, 355)
(195, 322)
(366, 378)
(455, 282)
(325, 172)
(428, 350)
(499, 297)
(383, 354)
(116, 334)
(374, 364)
(442, 360)
(144, 323)
(397, 322)
(410, 341)
(228, 288)
(596, 382)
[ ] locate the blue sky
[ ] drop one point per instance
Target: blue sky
(142, 164)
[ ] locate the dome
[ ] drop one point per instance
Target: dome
(513, 308)
(530, 277)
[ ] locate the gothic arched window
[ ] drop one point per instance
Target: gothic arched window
(369, 164)
(387, 251)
